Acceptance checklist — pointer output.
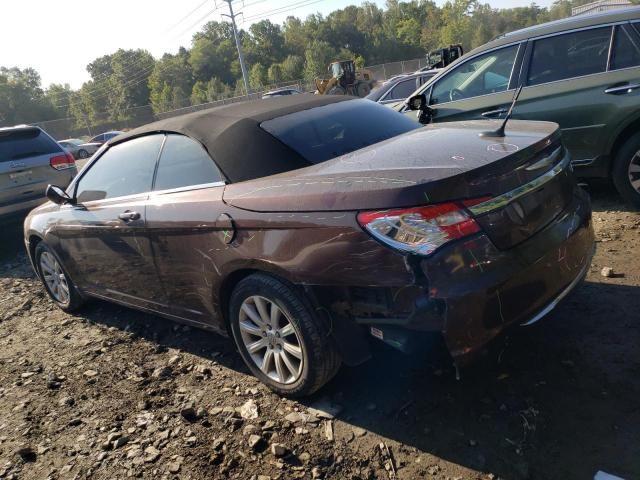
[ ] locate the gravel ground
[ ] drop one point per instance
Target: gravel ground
(113, 393)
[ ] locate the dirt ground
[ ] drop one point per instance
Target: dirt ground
(113, 393)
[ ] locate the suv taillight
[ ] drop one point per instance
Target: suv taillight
(420, 230)
(62, 162)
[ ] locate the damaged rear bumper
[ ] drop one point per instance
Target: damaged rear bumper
(472, 291)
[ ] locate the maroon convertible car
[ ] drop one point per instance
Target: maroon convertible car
(303, 225)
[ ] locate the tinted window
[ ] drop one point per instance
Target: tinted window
(482, 75)
(184, 162)
(97, 138)
(402, 90)
(25, 143)
(569, 55)
(332, 130)
(124, 169)
(625, 50)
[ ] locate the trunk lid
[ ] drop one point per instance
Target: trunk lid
(435, 164)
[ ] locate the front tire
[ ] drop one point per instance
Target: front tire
(279, 338)
(626, 170)
(55, 279)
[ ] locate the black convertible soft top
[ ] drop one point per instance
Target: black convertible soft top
(231, 133)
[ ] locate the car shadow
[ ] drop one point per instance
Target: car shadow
(539, 399)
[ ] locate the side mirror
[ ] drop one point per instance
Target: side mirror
(417, 102)
(57, 195)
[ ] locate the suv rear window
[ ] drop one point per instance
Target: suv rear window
(329, 131)
(24, 143)
(569, 55)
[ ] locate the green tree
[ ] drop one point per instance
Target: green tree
(292, 68)
(318, 56)
(275, 73)
(258, 76)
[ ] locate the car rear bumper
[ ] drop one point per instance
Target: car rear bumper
(485, 290)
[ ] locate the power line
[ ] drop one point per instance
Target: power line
(200, 5)
(280, 10)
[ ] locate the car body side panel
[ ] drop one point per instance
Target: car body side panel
(585, 112)
(193, 257)
(105, 255)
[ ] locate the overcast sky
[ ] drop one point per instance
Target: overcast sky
(60, 38)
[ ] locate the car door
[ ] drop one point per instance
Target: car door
(480, 87)
(188, 228)
(103, 235)
(571, 79)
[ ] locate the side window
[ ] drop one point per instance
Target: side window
(124, 169)
(569, 55)
(402, 90)
(482, 75)
(184, 162)
(625, 50)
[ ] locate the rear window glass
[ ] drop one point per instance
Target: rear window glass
(625, 50)
(20, 144)
(329, 131)
(403, 89)
(184, 162)
(570, 55)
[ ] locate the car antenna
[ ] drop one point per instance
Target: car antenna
(499, 132)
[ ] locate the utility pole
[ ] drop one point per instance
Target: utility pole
(243, 67)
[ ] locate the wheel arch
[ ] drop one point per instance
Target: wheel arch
(632, 127)
(233, 278)
(33, 240)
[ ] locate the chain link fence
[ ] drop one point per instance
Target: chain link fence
(134, 117)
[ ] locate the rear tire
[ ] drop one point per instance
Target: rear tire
(626, 170)
(83, 154)
(56, 280)
(291, 351)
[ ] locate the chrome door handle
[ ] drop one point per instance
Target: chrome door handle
(493, 113)
(129, 216)
(622, 89)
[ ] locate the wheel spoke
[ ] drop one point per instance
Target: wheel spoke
(279, 368)
(262, 310)
(252, 314)
(257, 345)
(275, 316)
(293, 350)
(287, 330)
(289, 364)
(250, 328)
(266, 361)
(634, 168)
(636, 184)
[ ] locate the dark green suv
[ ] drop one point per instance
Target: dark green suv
(581, 72)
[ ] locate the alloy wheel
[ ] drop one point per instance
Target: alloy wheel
(54, 277)
(271, 339)
(634, 172)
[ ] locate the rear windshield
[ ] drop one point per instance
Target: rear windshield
(25, 143)
(326, 132)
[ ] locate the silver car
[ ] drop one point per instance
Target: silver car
(30, 160)
(79, 148)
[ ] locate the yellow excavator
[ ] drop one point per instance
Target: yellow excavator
(346, 79)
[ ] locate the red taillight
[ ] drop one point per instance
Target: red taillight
(61, 162)
(419, 230)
